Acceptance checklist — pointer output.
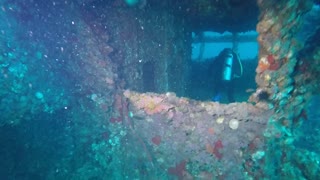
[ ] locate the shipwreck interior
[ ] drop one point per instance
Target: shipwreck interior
(206, 46)
(158, 52)
(121, 89)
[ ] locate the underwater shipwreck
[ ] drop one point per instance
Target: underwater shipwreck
(96, 89)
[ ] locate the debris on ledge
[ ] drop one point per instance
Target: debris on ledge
(190, 138)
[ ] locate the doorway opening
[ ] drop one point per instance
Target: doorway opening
(148, 76)
(206, 47)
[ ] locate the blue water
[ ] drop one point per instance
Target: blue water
(246, 50)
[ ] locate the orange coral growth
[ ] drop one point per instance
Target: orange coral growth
(152, 104)
(263, 65)
(215, 149)
(156, 108)
(211, 130)
(268, 63)
(209, 148)
(273, 64)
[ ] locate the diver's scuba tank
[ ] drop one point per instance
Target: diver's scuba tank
(227, 66)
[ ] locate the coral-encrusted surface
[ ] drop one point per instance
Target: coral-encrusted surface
(208, 137)
(278, 26)
(289, 83)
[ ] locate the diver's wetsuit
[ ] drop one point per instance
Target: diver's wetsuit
(221, 83)
(224, 86)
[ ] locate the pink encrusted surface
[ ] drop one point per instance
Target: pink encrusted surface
(197, 135)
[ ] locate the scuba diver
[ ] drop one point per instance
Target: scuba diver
(226, 67)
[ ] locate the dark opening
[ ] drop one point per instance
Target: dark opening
(148, 76)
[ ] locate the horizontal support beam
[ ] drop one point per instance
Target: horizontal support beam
(224, 38)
